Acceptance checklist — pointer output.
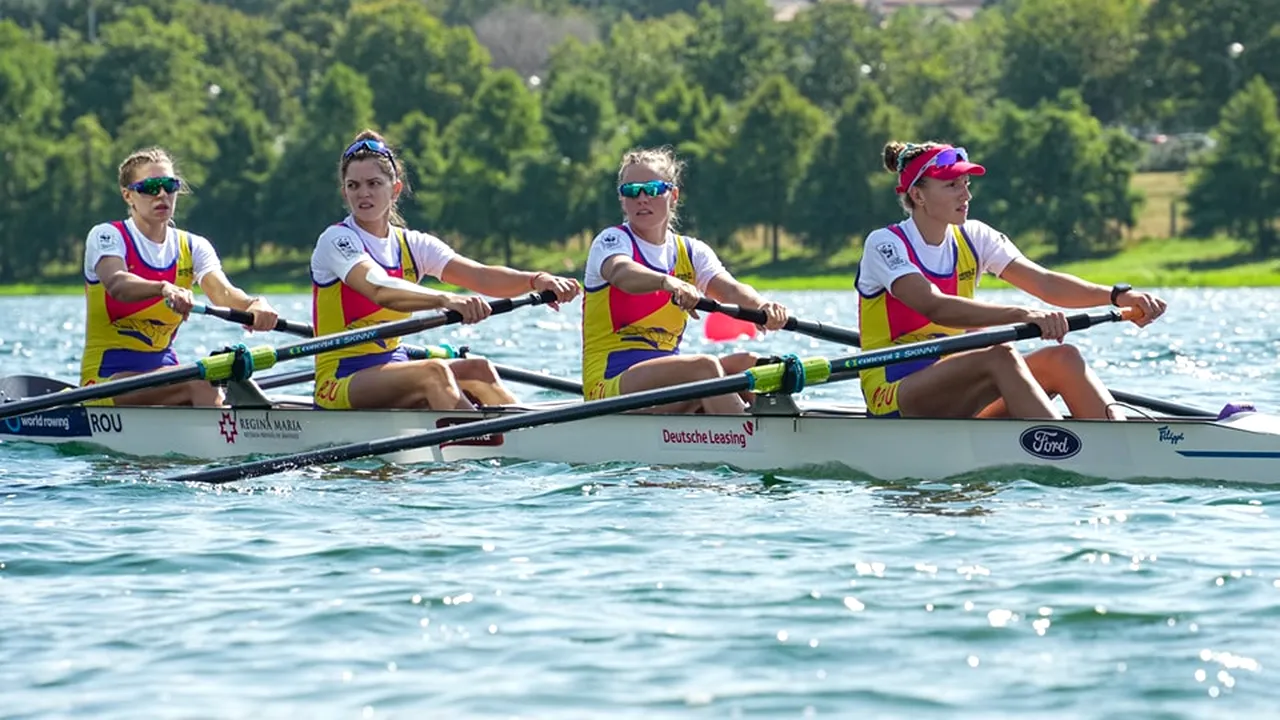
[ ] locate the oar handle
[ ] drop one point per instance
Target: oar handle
(246, 318)
(804, 327)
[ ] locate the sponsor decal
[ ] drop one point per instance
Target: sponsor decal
(489, 440)
(105, 241)
(743, 439)
(64, 422)
(1050, 443)
(1169, 436)
(257, 425)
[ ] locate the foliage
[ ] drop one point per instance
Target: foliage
(511, 115)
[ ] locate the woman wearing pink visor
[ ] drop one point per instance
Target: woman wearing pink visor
(917, 279)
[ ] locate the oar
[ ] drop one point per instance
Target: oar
(835, 333)
(822, 331)
(790, 376)
(241, 363)
(442, 352)
(246, 318)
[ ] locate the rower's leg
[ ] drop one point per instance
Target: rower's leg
(198, 393)
(737, 363)
(676, 370)
(969, 384)
(479, 379)
(416, 384)
(1061, 370)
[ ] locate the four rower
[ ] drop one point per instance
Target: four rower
(916, 281)
(138, 275)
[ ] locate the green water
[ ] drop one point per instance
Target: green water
(534, 590)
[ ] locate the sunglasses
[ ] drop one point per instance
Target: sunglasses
(949, 156)
(156, 185)
(653, 188)
(373, 146)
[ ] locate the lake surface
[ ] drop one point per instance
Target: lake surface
(536, 590)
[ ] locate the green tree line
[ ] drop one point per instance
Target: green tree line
(511, 116)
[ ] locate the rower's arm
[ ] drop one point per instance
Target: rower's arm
(950, 310)
(631, 277)
(221, 292)
(728, 289)
(124, 285)
(371, 281)
(491, 280)
(1055, 288)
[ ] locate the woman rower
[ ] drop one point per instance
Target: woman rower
(365, 270)
(916, 281)
(138, 277)
(642, 282)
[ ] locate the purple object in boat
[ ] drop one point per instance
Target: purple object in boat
(1232, 408)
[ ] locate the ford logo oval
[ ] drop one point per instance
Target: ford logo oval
(1049, 442)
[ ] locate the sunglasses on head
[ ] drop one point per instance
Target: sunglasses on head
(653, 188)
(947, 157)
(373, 146)
(156, 185)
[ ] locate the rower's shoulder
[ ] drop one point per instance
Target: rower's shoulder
(105, 231)
(612, 237)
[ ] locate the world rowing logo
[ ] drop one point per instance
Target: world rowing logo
(227, 426)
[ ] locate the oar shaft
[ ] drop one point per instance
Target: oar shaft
(246, 318)
(967, 341)
(804, 327)
(1161, 406)
(169, 376)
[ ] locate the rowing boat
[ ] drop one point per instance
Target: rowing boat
(779, 436)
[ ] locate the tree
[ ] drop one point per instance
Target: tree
(846, 191)
(488, 147)
(832, 48)
(734, 47)
(1191, 69)
(30, 102)
(305, 185)
(421, 149)
(411, 60)
(770, 152)
(1236, 187)
(1083, 45)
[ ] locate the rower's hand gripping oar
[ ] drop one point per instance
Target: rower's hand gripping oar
(416, 352)
(241, 363)
(788, 376)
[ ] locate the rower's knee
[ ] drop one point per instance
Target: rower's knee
(1003, 359)
(1063, 357)
(478, 369)
(432, 376)
(705, 367)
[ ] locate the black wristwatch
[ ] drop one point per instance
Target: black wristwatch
(1117, 289)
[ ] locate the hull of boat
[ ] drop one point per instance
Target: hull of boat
(1245, 448)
